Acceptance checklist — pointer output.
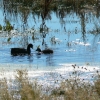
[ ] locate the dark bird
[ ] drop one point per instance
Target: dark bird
(46, 51)
(21, 51)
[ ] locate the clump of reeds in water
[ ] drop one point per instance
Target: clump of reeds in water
(73, 88)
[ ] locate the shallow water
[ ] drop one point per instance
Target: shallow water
(73, 50)
(70, 43)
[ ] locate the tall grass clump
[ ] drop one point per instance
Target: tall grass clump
(4, 92)
(27, 90)
(76, 90)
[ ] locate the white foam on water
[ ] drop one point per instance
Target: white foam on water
(70, 50)
(81, 43)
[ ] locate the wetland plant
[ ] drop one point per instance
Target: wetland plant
(24, 88)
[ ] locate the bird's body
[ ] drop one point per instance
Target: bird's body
(46, 51)
(21, 51)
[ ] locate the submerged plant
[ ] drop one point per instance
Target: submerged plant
(0, 27)
(9, 39)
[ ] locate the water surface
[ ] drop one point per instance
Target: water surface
(72, 42)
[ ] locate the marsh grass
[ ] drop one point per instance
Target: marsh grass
(25, 88)
(76, 90)
(4, 92)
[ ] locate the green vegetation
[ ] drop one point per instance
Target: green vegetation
(8, 27)
(24, 88)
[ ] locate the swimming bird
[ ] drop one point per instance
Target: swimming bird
(21, 51)
(46, 51)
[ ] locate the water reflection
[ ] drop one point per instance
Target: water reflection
(21, 59)
(30, 58)
(50, 60)
(43, 9)
(69, 28)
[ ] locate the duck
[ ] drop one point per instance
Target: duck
(46, 51)
(21, 51)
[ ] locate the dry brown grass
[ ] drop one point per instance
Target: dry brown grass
(22, 88)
